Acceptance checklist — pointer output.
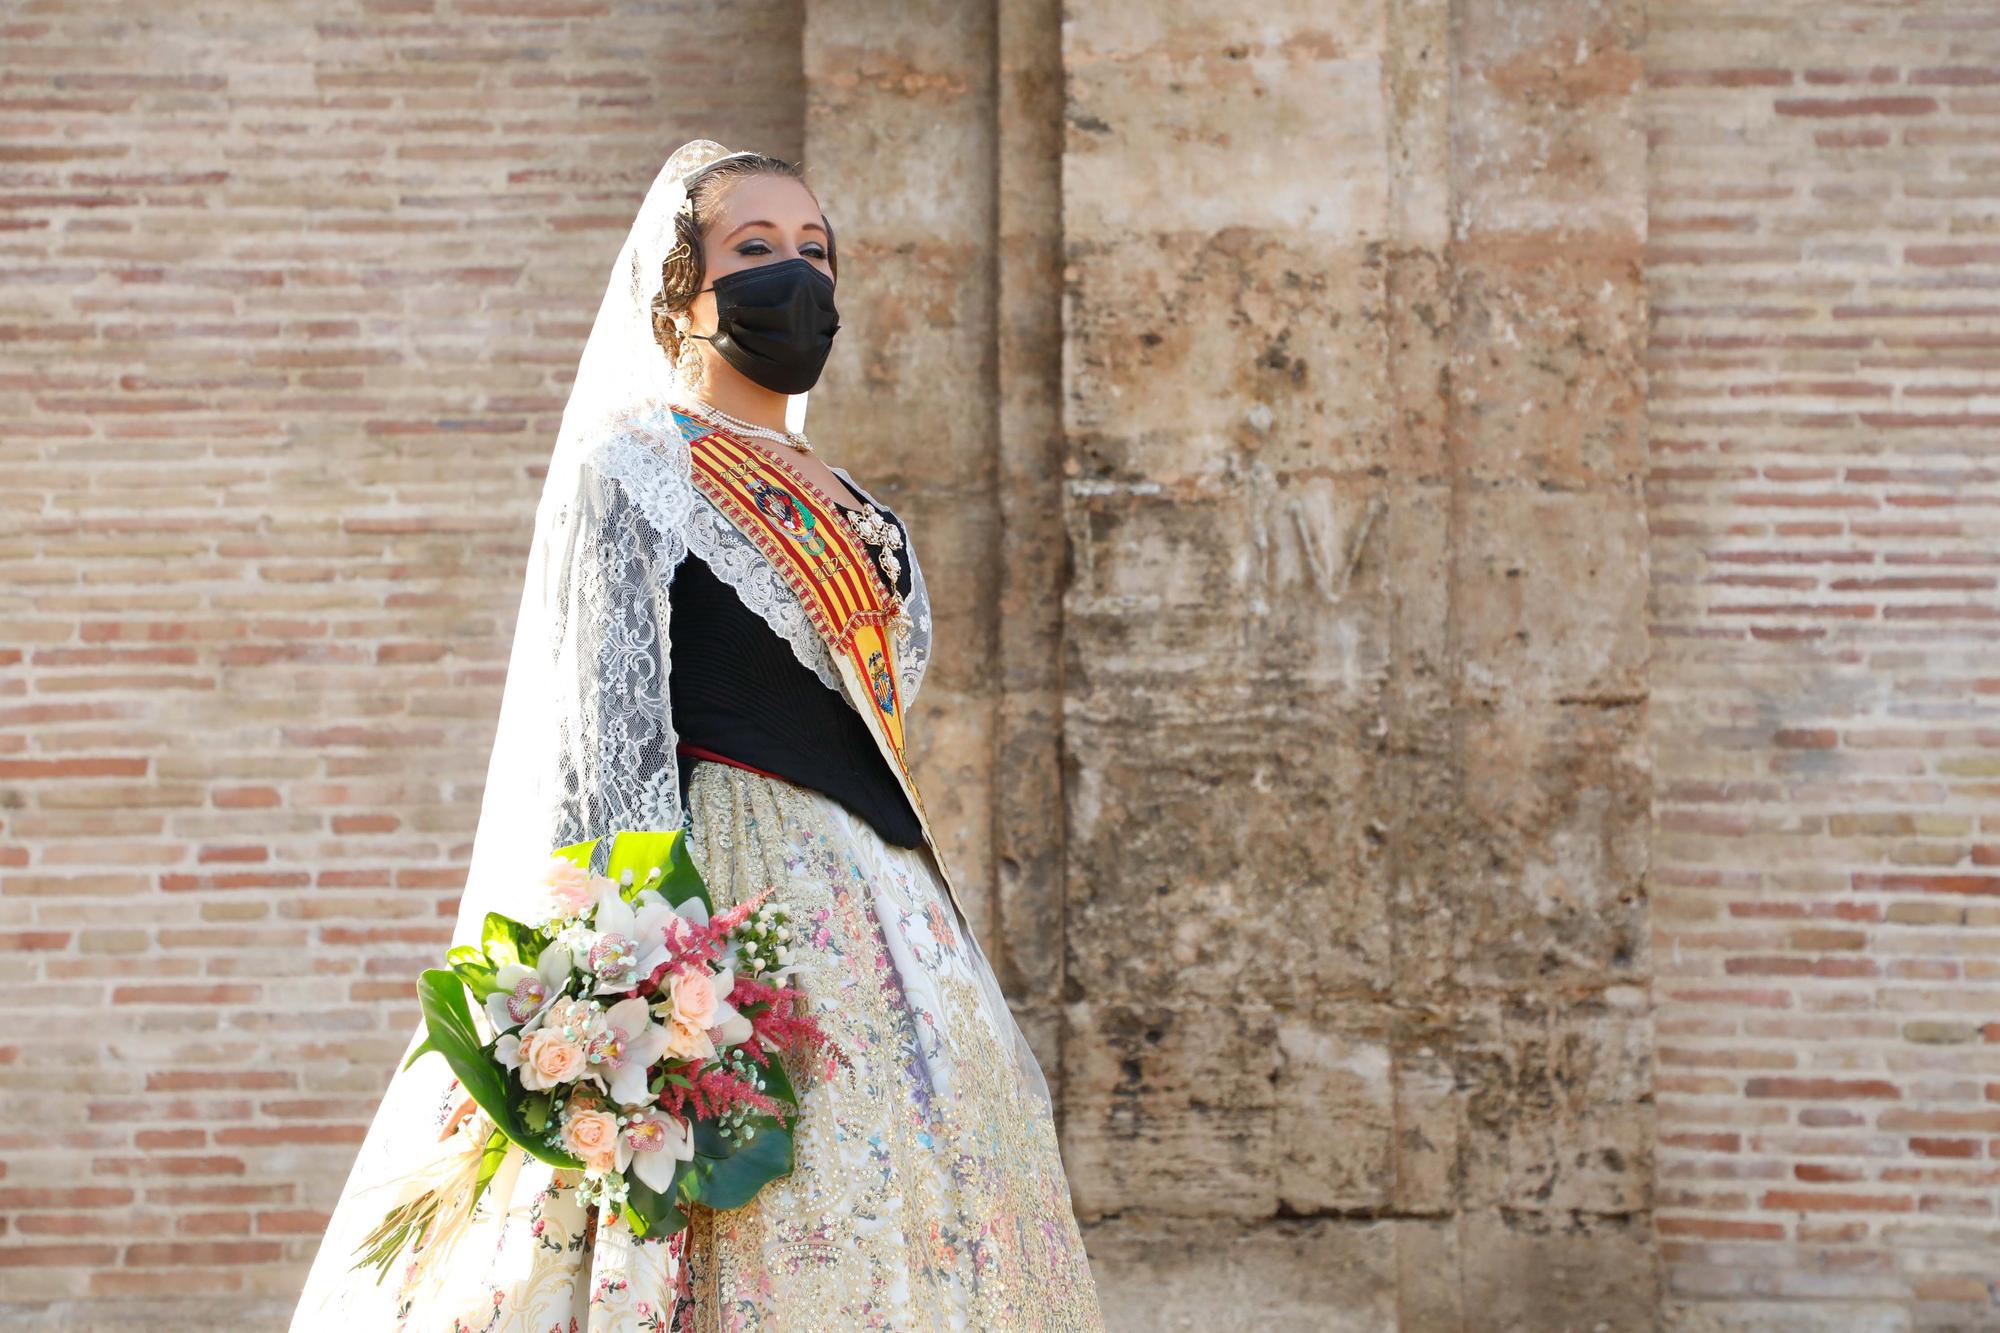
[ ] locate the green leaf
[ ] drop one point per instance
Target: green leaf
(776, 1083)
(475, 969)
(658, 1214)
(442, 997)
(683, 880)
(734, 1181)
(506, 940)
(709, 1145)
(579, 852)
(641, 853)
(425, 1045)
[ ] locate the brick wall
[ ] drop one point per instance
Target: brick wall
(1824, 273)
(292, 297)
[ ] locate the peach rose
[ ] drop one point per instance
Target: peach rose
(570, 887)
(593, 1136)
(688, 1041)
(694, 997)
(546, 1059)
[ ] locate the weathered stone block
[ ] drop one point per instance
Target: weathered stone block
(1171, 1109)
(1551, 873)
(1558, 1113)
(1336, 1108)
(1429, 1129)
(1551, 597)
(1547, 377)
(1294, 323)
(1276, 584)
(1525, 1271)
(1163, 1275)
(1547, 127)
(1213, 855)
(1180, 138)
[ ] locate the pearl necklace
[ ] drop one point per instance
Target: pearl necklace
(715, 416)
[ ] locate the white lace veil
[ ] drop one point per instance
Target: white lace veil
(548, 727)
(623, 369)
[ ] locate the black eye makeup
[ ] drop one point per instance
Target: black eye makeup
(757, 246)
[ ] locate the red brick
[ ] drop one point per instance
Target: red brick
(1800, 1089)
(1810, 1201)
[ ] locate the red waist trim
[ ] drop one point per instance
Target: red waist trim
(699, 752)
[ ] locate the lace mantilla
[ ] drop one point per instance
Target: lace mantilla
(635, 516)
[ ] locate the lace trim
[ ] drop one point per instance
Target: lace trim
(615, 732)
(651, 461)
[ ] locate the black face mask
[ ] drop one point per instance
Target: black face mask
(775, 323)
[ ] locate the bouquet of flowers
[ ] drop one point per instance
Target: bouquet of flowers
(628, 1034)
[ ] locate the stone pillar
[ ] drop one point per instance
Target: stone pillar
(900, 148)
(1354, 641)
(934, 141)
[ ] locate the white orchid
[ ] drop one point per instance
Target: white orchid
(624, 1047)
(626, 944)
(651, 1142)
(525, 992)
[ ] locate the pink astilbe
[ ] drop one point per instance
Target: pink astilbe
(740, 913)
(780, 1026)
(714, 1091)
(692, 948)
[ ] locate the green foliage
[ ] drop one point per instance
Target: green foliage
(650, 1213)
(452, 1035)
(733, 1179)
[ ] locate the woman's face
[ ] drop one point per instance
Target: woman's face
(762, 219)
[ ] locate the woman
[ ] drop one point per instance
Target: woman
(722, 633)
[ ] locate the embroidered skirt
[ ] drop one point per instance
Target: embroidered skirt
(928, 1191)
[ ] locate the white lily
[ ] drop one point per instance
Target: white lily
(525, 992)
(654, 1141)
(623, 1049)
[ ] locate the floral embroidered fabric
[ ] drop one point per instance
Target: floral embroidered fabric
(929, 1191)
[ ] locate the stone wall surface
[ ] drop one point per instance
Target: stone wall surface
(1463, 541)
(1354, 663)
